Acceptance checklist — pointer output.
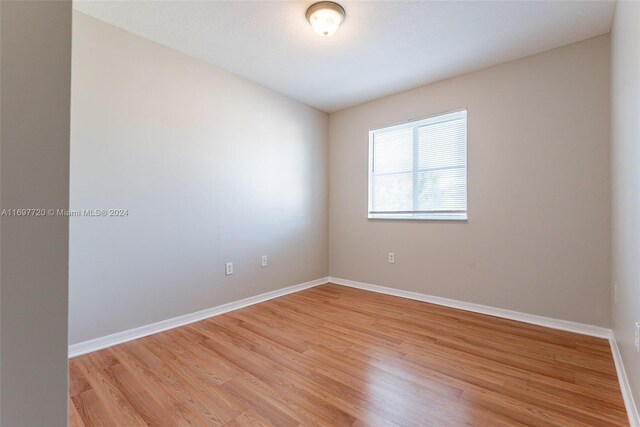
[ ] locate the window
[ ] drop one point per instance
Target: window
(418, 170)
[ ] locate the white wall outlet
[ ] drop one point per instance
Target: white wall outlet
(636, 341)
(228, 268)
(615, 293)
(392, 257)
(264, 261)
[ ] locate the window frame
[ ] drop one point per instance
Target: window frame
(418, 215)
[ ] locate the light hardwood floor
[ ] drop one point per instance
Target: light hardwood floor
(337, 356)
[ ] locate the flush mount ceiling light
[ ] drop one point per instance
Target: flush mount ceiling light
(325, 17)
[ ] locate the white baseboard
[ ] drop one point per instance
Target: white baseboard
(625, 387)
(564, 325)
(154, 328)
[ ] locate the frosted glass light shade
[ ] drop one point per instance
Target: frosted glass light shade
(325, 17)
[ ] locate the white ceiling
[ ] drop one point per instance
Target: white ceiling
(383, 47)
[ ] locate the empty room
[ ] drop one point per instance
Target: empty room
(299, 213)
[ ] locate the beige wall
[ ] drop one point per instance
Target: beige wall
(35, 56)
(537, 238)
(625, 166)
(211, 167)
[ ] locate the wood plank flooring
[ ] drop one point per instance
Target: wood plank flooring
(336, 356)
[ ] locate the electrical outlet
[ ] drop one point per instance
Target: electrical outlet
(228, 268)
(615, 293)
(636, 341)
(264, 261)
(392, 257)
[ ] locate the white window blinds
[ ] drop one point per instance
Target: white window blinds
(418, 170)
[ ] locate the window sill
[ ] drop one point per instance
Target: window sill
(421, 216)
